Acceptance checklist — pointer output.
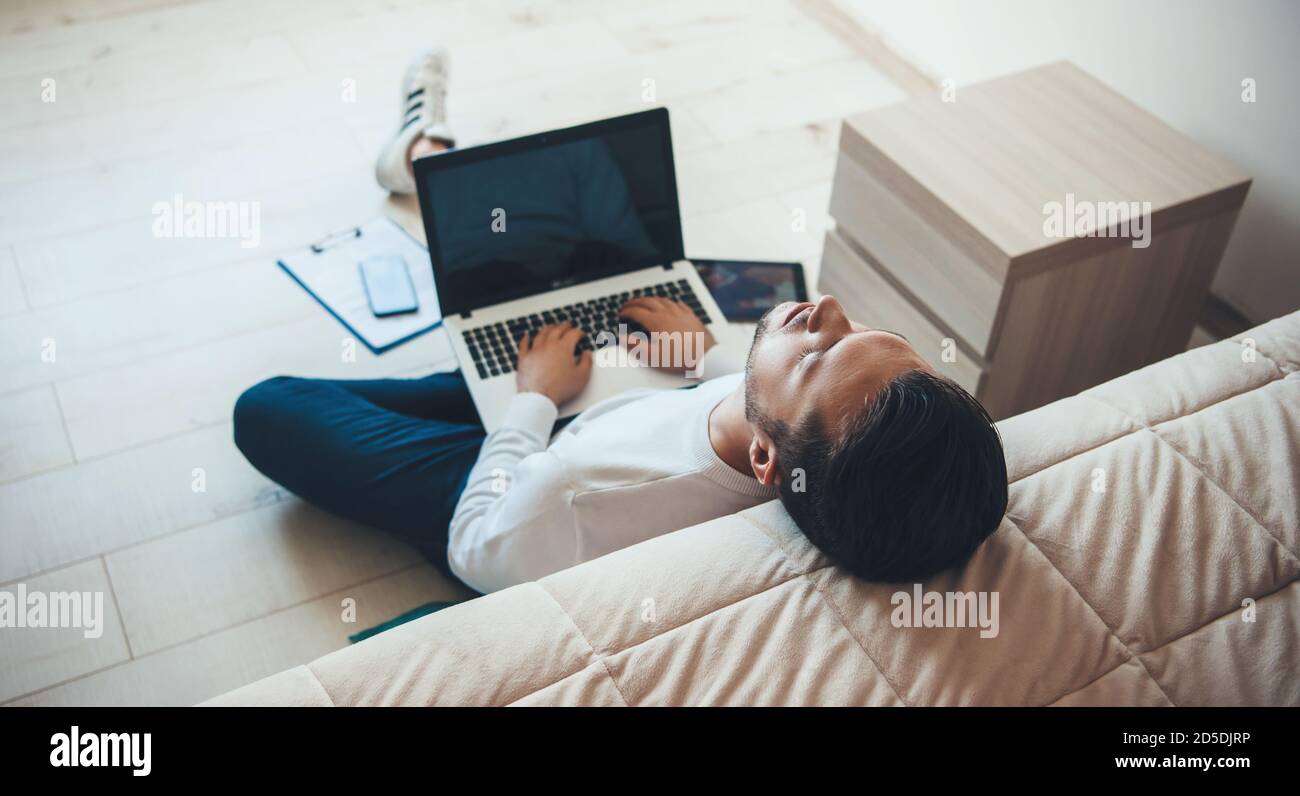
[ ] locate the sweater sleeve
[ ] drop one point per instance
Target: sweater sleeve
(514, 521)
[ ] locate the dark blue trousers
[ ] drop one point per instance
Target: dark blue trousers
(390, 453)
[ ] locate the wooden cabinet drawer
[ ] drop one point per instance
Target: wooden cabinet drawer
(869, 298)
(951, 222)
(912, 247)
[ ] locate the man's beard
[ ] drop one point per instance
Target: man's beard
(752, 413)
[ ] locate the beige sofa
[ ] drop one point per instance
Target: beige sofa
(1149, 557)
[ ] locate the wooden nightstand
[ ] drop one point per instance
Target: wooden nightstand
(963, 226)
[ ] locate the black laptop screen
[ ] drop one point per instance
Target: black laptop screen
(529, 215)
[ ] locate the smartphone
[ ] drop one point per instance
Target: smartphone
(388, 285)
(745, 289)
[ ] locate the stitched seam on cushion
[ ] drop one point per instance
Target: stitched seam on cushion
(713, 611)
(316, 679)
(1091, 395)
(586, 641)
(1285, 366)
(1201, 472)
(1277, 362)
(1078, 453)
(1285, 585)
(663, 632)
(1103, 675)
(565, 678)
(771, 534)
(1288, 584)
(1200, 469)
(1140, 425)
(840, 618)
(1095, 613)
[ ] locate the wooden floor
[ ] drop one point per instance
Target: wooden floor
(121, 354)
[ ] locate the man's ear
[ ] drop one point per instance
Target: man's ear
(762, 458)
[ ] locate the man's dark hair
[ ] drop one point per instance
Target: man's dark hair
(913, 487)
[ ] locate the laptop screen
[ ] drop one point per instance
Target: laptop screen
(532, 214)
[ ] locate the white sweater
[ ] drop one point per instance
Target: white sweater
(632, 467)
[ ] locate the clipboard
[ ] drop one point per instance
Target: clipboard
(329, 270)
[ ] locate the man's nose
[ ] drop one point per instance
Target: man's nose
(827, 316)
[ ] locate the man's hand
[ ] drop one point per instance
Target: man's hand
(547, 364)
(678, 341)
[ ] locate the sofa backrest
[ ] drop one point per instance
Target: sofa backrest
(1150, 556)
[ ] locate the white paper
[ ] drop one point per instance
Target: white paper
(334, 277)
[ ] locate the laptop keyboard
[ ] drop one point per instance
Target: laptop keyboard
(493, 346)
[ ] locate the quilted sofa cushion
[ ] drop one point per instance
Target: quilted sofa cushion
(1150, 556)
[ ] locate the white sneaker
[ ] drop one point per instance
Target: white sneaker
(424, 113)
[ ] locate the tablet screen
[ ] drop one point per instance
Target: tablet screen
(744, 290)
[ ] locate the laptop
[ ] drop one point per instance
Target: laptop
(562, 225)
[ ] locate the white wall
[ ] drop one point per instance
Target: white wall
(1184, 61)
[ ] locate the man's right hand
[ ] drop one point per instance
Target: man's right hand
(677, 339)
(547, 364)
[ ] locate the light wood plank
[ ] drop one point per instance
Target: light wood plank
(172, 127)
(215, 576)
(648, 26)
(151, 320)
(208, 25)
(758, 230)
(135, 126)
(24, 16)
(391, 37)
(153, 77)
(720, 177)
(129, 190)
(206, 667)
(813, 203)
(124, 254)
(71, 514)
(480, 59)
(871, 45)
(13, 296)
(109, 410)
(549, 98)
(35, 658)
(824, 91)
(32, 437)
(305, 99)
(786, 226)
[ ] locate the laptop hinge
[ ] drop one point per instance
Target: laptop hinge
(667, 266)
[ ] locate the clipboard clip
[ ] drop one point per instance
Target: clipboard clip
(334, 239)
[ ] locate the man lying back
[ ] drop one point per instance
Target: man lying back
(893, 471)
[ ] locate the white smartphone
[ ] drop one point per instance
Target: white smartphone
(388, 285)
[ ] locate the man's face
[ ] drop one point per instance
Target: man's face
(811, 357)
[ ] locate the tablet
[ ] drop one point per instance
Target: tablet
(745, 289)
